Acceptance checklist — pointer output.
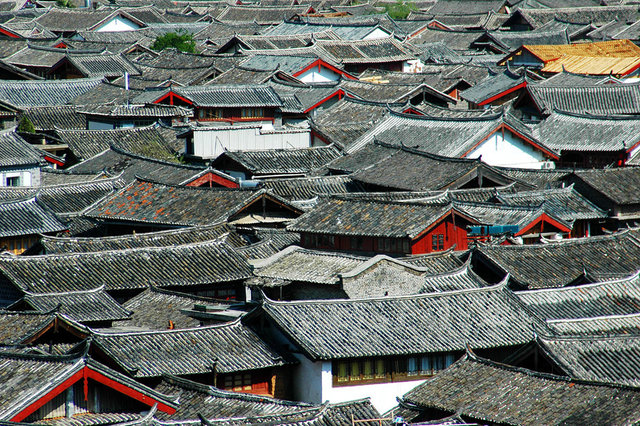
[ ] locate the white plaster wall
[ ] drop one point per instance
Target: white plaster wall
(28, 177)
(377, 33)
(413, 65)
(510, 152)
(315, 75)
(119, 24)
(211, 143)
(383, 395)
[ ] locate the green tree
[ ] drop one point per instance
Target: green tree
(182, 41)
(65, 3)
(397, 10)
(25, 125)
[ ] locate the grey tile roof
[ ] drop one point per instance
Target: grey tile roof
(563, 263)
(149, 141)
(81, 306)
(615, 297)
(44, 92)
(61, 117)
(127, 166)
(210, 402)
(601, 326)
(280, 161)
(64, 199)
(230, 96)
(27, 217)
(508, 41)
(144, 201)
(341, 216)
(16, 152)
(18, 327)
(341, 413)
(298, 264)
(462, 278)
(346, 31)
(586, 97)
(154, 308)
(263, 15)
(171, 237)
(404, 324)
(59, 19)
(538, 178)
(185, 265)
(596, 15)
(27, 376)
(612, 359)
(377, 50)
(103, 65)
(563, 131)
(486, 391)
(445, 172)
(565, 203)
(394, 92)
(465, 7)
(348, 119)
(435, 263)
(613, 184)
(226, 348)
(271, 242)
(492, 85)
(310, 187)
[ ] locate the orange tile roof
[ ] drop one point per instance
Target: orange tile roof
(612, 49)
(593, 65)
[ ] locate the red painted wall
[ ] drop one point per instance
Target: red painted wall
(453, 234)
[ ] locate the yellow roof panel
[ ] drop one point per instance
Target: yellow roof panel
(593, 65)
(612, 48)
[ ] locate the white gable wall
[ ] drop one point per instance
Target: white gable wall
(318, 75)
(377, 33)
(210, 143)
(509, 152)
(118, 23)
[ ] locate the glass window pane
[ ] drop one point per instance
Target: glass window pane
(412, 366)
(355, 370)
(425, 365)
(343, 374)
(381, 369)
(367, 369)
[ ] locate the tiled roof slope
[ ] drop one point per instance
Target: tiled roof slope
(496, 393)
(44, 92)
(151, 202)
(613, 183)
(16, 327)
(128, 166)
(309, 187)
(341, 413)
(186, 265)
(80, 306)
(603, 326)
(155, 309)
(210, 402)
(227, 347)
(16, 152)
(371, 218)
(27, 217)
(283, 161)
(616, 297)
(171, 237)
(611, 359)
(230, 96)
(148, 141)
(562, 263)
(598, 99)
(437, 322)
(298, 264)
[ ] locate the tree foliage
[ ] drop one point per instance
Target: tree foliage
(399, 9)
(65, 3)
(182, 41)
(25, 125)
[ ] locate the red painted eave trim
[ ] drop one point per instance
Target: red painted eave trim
(320, 63)
(546, 218)
(98, 377)
(506, 92)
(9, 33)
(53, 161)
(48, 397)
(529, 141)
(339, 93)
